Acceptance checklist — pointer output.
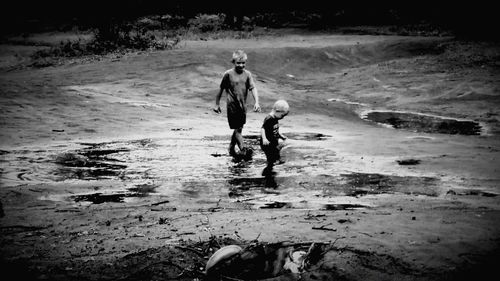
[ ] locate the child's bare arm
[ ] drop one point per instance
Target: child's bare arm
(283, 137)
(217, 101)
(255, 95)
(265, 141)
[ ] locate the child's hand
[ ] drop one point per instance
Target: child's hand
(265, 142)
(217, 109)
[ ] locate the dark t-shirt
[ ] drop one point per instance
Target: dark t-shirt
(271, 128)
(237, 86)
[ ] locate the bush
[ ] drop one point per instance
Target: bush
(207, 23)
(173, 22)
(141, 35)
(150, 23)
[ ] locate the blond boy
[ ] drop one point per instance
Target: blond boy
(237, 82)
(270, 135)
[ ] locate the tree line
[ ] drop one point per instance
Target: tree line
(463, 16)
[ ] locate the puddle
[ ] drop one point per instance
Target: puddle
(183, 168)
(253, 140)
(408, 162)
(310, 205)
(307, 202)
(362, 184)
(88, 164)
(276, 205)
(424, 123)
(357, 184)
(307, 136)
(99, 198)
(316, 191)
(247, 183)
(349, 102)
(472, 192)
(342, 207)
(313, 205)
(354, 185)
(85, 173)
(144, 189)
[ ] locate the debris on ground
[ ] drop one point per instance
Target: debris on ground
(264, 260)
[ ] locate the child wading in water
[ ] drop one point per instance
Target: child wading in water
(270, 135)
(237, 82)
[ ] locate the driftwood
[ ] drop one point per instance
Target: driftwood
(323, 227)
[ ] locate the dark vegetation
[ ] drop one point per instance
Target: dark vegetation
(149, 24)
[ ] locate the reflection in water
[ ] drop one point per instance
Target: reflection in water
(99, 198)
(246, 183)
(192, 189)
(239, 168)
(144, 188)
(270, 182)
(186, 167)
(90, 163)
(85, 173)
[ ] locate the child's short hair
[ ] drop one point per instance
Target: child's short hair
(281, 105)
(239, 55)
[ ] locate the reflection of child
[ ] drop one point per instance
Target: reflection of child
(237, 82)
(270, 134)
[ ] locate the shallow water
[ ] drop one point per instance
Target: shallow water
(424, 123)
(179, 167)
(172, 159)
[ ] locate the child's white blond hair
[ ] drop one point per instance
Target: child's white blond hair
(239, 55)
(281, 105)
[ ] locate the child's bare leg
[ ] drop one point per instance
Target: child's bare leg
(232, 144)
(236, 139)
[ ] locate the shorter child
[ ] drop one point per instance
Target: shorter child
(270, 135)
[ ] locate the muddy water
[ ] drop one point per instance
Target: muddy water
(179, 167)
(424, 123)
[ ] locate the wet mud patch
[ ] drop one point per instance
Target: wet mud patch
(423, 123)
(118, 145)
(276, 205)
(271, 183)
(357, 184)
(233, 188)
(361, 184)
(98, 161)
(309, 203)
(245, 184)
(471, 192)
(144, 189)
(86, 173)
(199, 189)
(279, 191)
(253, 139)
(408, 162)
(99, 198)
(308, 136)
(141, 190)
(87, 165)
(342, 207)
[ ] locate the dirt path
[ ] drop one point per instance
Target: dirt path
(118, 169)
